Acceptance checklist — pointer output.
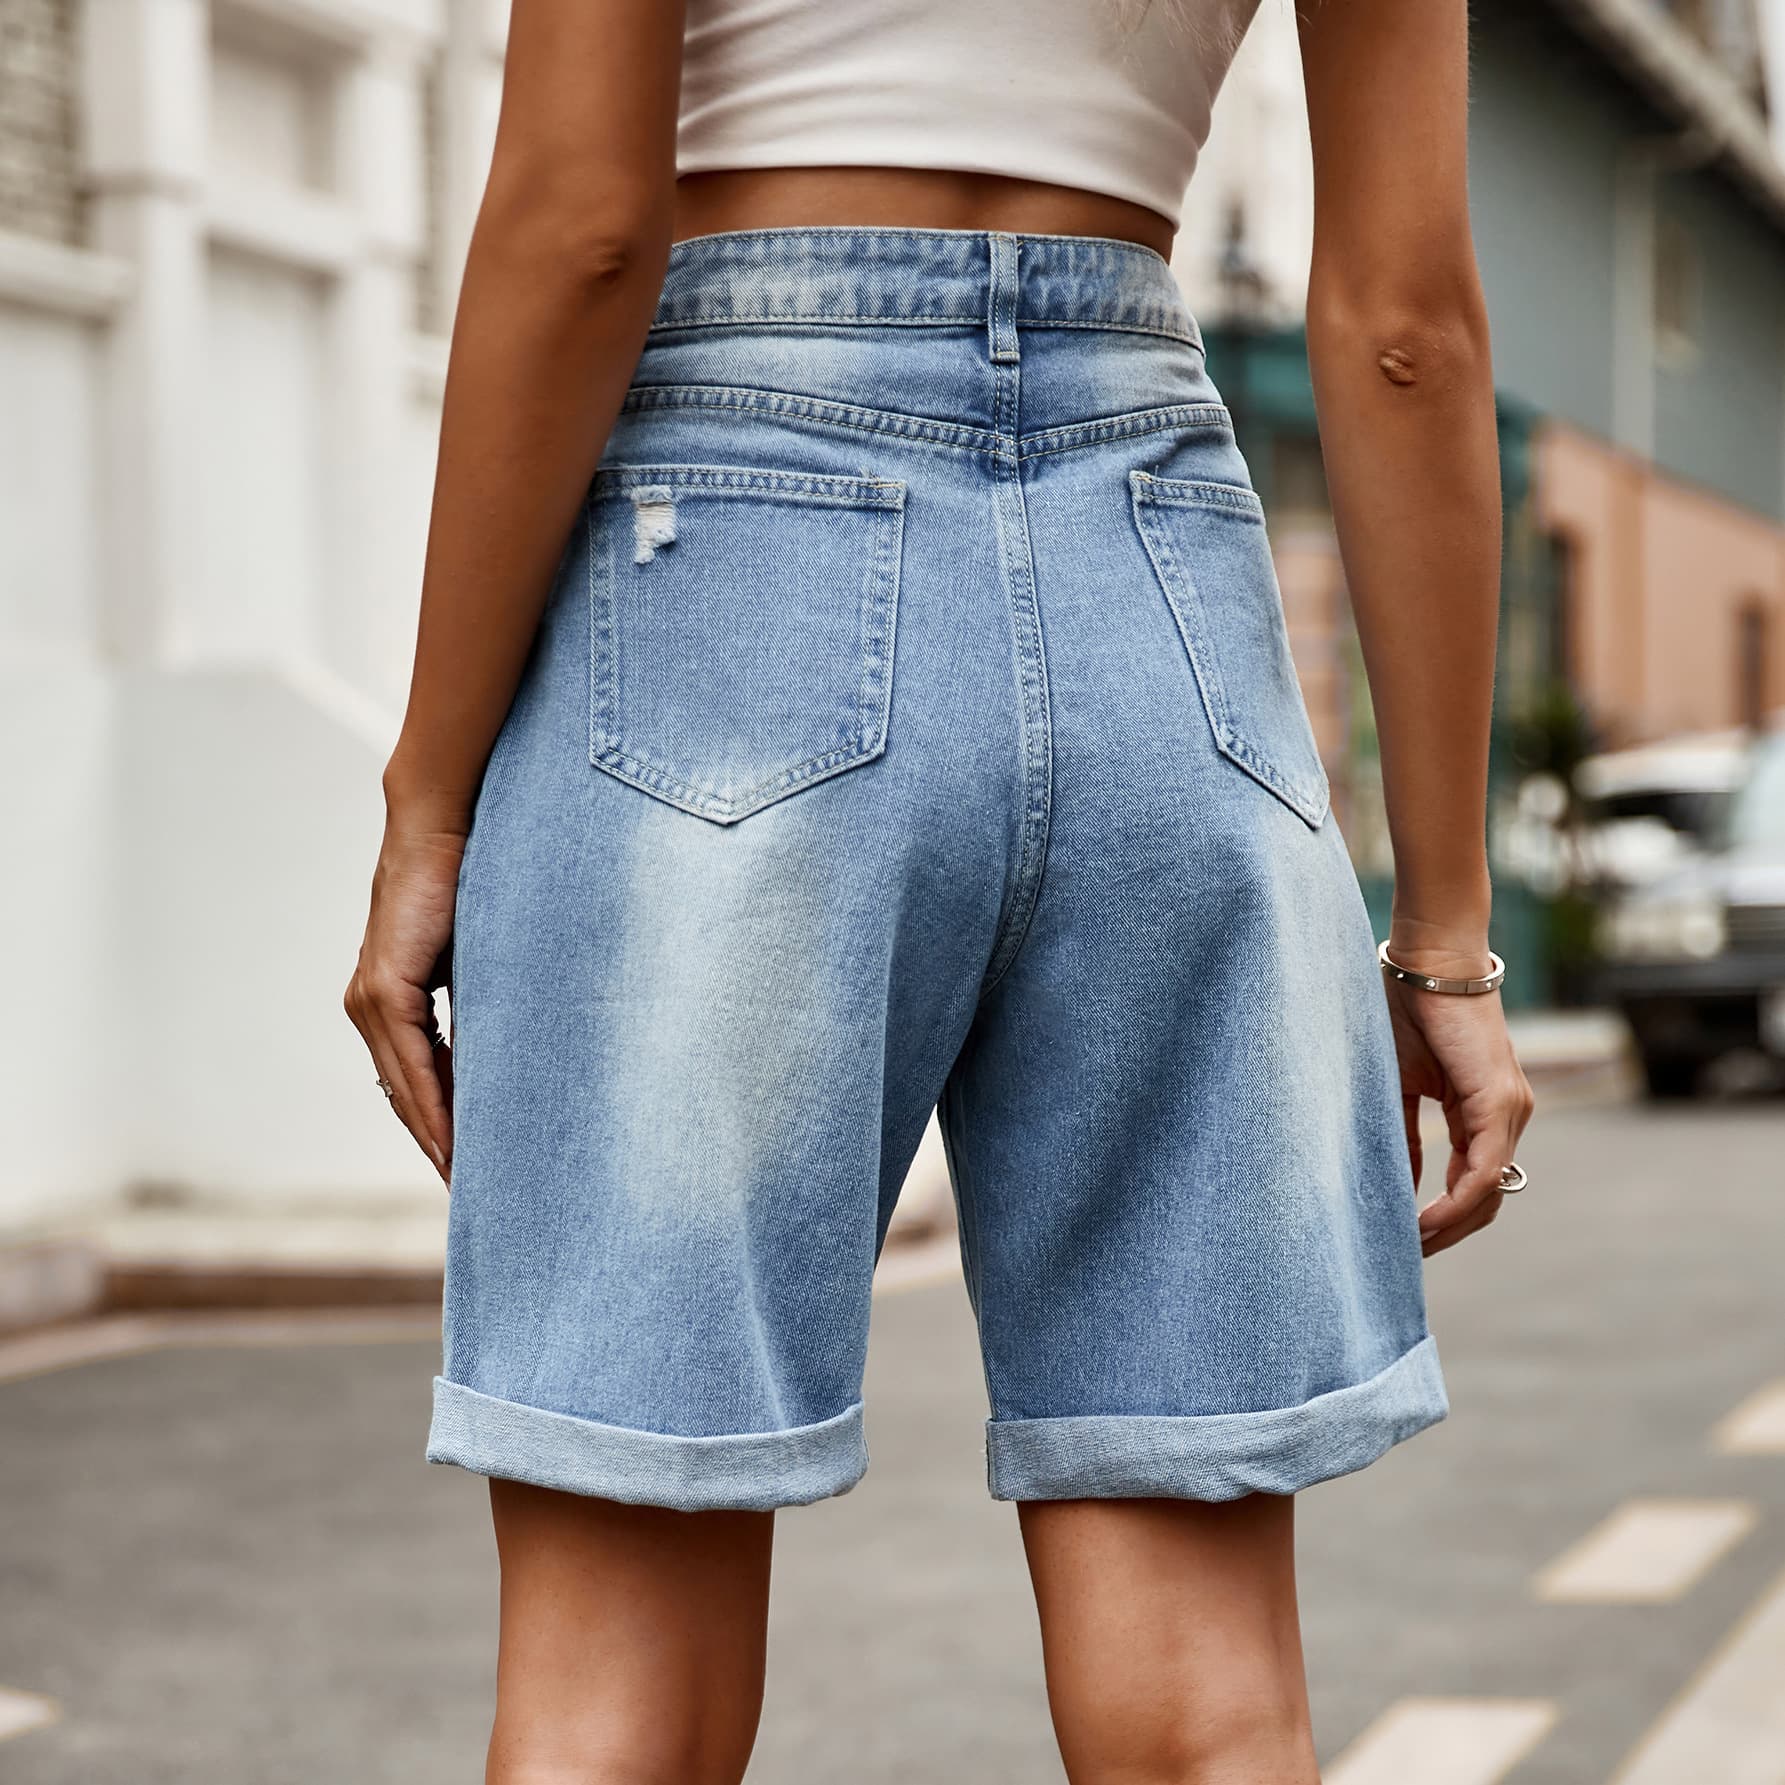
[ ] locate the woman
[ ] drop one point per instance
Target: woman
(851, 679)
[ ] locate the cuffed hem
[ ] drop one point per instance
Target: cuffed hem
(748, 1471)
(1217, 1456)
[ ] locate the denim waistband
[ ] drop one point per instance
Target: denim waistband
(844, 274)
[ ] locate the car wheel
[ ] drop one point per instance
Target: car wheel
(1669, 1075)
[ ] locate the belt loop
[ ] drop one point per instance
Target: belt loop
(1001, 310)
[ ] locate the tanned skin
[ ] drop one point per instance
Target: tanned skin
(632, 1639)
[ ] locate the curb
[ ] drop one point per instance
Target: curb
(57, 1281)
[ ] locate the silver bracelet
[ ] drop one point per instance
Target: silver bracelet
(1489, 982)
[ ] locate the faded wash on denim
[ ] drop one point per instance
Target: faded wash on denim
(913, 724)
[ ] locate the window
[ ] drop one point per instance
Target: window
(1676, 292)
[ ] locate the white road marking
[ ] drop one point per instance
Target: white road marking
(1646, 1552)
(24, 1711)
(1444, 1741)
(1756, 1427)
(1728, 1726)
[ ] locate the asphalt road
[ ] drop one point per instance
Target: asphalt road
(229, 1564)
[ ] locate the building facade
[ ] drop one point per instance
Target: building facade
(230, 234)
(1629, 207)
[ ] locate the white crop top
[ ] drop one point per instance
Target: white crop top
(1109, 95)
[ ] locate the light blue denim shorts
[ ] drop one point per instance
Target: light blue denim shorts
(913, 725)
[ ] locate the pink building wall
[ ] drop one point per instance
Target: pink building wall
(1660, 578)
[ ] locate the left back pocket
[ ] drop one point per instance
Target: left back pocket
(741, 629)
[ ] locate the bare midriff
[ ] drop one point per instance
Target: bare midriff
(906, 198)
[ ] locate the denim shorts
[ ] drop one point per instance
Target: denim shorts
(913, 726)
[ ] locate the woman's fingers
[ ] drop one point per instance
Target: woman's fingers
(1487, 1126)
(441, 1050)
(426, 1117)
(1445, 1237)
(395, 1020)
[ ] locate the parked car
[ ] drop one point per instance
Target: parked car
(1695, 959)
(1649, 810)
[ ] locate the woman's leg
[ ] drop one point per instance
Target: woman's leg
(632, 1641)
(1172, 1645)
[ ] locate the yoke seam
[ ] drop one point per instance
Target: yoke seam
(819, 411)
(675, 324)
(927, 430)
(1074, 435)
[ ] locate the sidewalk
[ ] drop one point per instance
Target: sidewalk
(1574, 1055)
(166, 1255)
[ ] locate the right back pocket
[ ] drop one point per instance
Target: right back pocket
(1209, 548)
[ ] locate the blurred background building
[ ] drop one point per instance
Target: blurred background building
(230, 234)
(229, 239)
(1629, 207)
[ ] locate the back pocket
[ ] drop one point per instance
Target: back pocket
(1208, 545)
(741, 629)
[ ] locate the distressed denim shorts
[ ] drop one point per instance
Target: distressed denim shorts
(913, 726)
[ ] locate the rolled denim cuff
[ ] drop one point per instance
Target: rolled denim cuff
(1217, 1456)
(746, 1471)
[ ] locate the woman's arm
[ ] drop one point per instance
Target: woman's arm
(565, 267)
(1403, 385)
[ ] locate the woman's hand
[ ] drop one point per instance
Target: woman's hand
(1456, 1050)
(404, 959)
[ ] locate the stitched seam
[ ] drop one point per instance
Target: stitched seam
(1172, 492)
(818, 489)
(817, 410)
(880, 628)
(659, 780)
(712, 319)
(707, 319)
(1159, 331)
(880, 594)
(604, 679)
(1105, 244)
(1038, 735)
(1226, 735)
(1123, 427)
(1307, 803)
(1165, 567)
(956, 436)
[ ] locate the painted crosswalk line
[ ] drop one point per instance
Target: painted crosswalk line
(1728, 1726)
(1756, 1427)
(21, 1712)
(1444, 1741)
(1646, 1552)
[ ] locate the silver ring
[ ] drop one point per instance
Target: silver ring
(1512, 1179)
(389, 1090)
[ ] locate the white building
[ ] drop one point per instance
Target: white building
(228, 237)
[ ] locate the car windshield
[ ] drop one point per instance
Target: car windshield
(1698, 812)
(1758, 814)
